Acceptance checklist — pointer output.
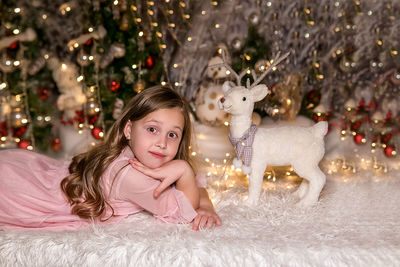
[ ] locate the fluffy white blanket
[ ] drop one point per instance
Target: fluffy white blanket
(356, 223)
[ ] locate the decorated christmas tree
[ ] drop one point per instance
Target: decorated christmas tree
(67, 68)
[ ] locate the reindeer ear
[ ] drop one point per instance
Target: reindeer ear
(226, 86)
(259, 92)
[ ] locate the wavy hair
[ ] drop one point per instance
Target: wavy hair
(83, 186)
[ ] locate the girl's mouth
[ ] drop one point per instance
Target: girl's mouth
(157, 155)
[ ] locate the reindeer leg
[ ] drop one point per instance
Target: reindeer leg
(302, 189)
(317, 181)
(255, 183)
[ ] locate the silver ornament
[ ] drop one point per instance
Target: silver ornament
(237, 43)
(254, 18)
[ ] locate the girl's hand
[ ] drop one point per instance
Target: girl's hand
(206, 218)
(167, 173)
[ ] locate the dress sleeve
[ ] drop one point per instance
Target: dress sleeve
(170, 206)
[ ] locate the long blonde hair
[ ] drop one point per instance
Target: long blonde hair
(83, 186)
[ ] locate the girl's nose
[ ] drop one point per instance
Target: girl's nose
(162, 142)
(222, 100)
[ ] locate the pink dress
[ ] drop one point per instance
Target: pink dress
(31, 197)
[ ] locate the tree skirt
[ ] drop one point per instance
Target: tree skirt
(356, 223)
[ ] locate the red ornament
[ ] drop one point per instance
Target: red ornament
(14, 45)
(3, 128)
(24, 144)
(55, 144)
(150, 62)
(43, 93)
(114, 86)
(97, 132)
(390, 151)
(359, 139)
(89, 42)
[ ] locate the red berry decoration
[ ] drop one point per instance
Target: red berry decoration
(359, 139)
(19, 131)
(43, 94)
(97, 132)
(24, 144)
(390, 151)
(114, 86)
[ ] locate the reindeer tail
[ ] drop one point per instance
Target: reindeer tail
(320, 129)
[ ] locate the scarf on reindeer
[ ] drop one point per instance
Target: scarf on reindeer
(243, 145)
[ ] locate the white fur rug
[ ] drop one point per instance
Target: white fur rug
(356, 223)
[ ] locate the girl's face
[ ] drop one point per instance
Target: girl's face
(155, 138)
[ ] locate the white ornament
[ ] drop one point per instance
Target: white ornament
(300, 147)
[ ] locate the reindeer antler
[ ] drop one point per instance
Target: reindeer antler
(226, 65)
(275, 62)
(239, 77)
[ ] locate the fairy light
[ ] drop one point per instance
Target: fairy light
(79, 79)
(138, 20)
(163, 83)
(140, 33)
(3, 85)
(44, 16)
(17, 10)
(134, 66)
(16, 31)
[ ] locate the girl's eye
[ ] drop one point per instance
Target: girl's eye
(173, 135)
(152, 129)
(244, 99)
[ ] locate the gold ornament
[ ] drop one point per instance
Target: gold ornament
(289, 94)
(18, 118)
(124, 25)
(139, 86)
(93, 108)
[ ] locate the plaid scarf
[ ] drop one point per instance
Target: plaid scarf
(243, 145)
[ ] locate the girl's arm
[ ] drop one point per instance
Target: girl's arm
(171, 205)
(206, 215)
(175, 171)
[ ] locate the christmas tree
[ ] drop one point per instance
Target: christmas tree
(75, 63)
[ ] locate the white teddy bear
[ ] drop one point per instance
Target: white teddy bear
(71, 96)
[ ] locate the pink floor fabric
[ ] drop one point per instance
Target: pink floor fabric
(31, 197)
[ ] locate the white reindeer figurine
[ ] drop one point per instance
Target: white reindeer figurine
(300, 147)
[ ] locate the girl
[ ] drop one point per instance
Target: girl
(152, 135)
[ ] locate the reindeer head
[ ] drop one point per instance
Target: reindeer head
(239, 100)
